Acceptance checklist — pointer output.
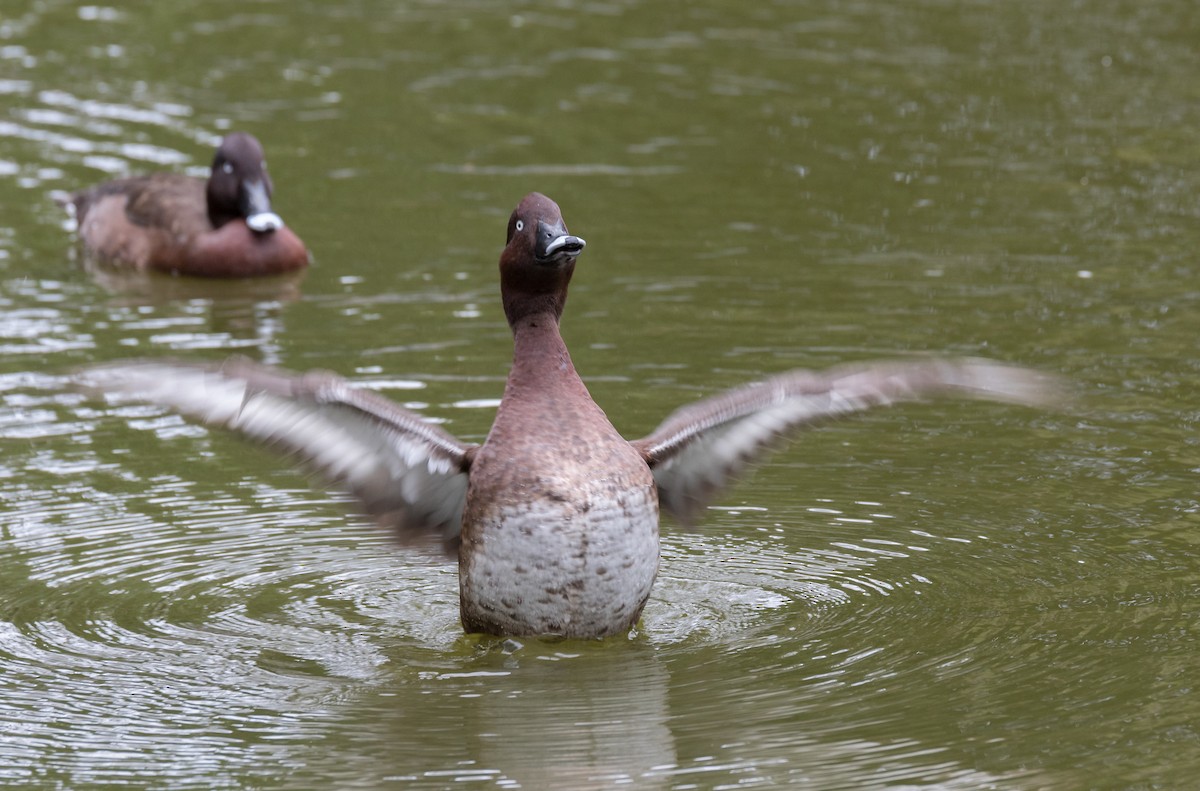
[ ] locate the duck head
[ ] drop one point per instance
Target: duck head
(538, 260)
(239, 186)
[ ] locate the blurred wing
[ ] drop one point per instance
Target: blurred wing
(702, 447)
(405, 470)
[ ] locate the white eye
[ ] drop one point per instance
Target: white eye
(227, 167)
(520, 225)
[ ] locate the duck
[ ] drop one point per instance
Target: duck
(554, 517)
(220, 227)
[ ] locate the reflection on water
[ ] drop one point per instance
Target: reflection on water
(153, 288)
(541, 716)
(948, 595)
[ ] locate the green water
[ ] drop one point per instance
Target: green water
(945, 595)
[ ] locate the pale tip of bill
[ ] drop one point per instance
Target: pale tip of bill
(264, 222)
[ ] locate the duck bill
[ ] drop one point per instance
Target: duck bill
(554, 244)
(256, 207)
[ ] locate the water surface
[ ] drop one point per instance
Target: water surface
(951, 595)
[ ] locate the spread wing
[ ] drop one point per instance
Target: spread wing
(703, 446)
(404, 470)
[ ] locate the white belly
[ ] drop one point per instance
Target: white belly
(579, 564)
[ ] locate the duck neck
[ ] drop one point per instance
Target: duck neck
(540, 358)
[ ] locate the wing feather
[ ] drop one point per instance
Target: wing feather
(702, 447)
(404, 469)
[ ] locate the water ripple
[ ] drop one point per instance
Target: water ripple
(220, 599)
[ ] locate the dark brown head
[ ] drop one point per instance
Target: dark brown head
(538, 260)
(239, 186)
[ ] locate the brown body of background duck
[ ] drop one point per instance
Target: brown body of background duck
(169, 222)
(555, 515)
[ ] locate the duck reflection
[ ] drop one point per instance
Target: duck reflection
(552, 714)
(128, 286)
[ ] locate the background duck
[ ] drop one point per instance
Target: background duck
(220, 227)
(555, 516)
